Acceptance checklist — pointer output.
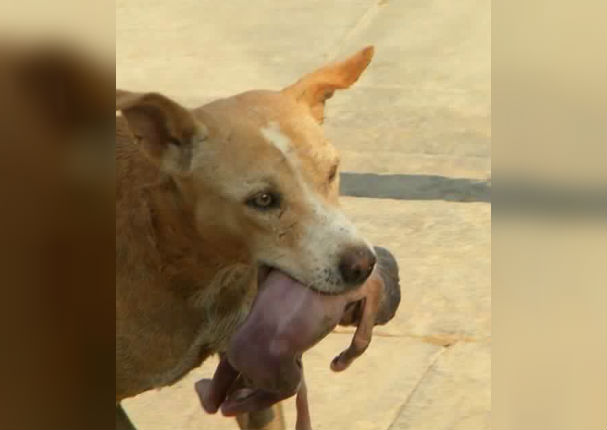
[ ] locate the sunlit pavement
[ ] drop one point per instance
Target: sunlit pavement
(414, 135)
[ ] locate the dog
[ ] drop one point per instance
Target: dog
(210, 200)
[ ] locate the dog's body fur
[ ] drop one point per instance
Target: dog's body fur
(187, 247)
(174, 325)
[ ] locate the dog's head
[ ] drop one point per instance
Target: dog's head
(257, 168)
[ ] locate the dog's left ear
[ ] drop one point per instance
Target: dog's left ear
(315, 88)
(166, 130)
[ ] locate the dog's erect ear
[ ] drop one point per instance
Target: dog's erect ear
(315, 88)
(166, 130)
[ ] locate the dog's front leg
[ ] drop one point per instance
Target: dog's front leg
(271, 418)
(303, 410)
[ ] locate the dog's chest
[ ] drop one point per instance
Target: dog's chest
(223, 305)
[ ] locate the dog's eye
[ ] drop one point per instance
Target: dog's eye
(264, 200)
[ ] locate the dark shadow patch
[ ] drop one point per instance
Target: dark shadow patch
(414, 187)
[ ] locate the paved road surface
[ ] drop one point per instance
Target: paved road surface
(414, 135)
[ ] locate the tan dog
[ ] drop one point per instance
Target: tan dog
(207, 196)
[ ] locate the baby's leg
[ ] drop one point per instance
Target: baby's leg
(212, 392)
(229, 391)
(364, 331)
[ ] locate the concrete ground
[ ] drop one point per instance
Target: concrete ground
(414, 135)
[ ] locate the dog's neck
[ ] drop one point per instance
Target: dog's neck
(157, 238)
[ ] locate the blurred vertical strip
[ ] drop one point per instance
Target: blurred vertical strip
(57, 310)
(549, 208)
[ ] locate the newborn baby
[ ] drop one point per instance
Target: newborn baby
(263, 364)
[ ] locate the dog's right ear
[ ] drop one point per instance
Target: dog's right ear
(315, 88)
(166, 130)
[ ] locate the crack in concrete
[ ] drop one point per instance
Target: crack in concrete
(404, 404)
(358, 26)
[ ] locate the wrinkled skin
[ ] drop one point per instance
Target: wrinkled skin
(264, 362)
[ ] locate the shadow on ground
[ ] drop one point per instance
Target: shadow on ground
(414, 187)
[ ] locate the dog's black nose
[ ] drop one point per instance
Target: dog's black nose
(356, 264)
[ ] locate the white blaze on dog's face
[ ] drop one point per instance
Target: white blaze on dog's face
(265, 176)
(275, 178)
